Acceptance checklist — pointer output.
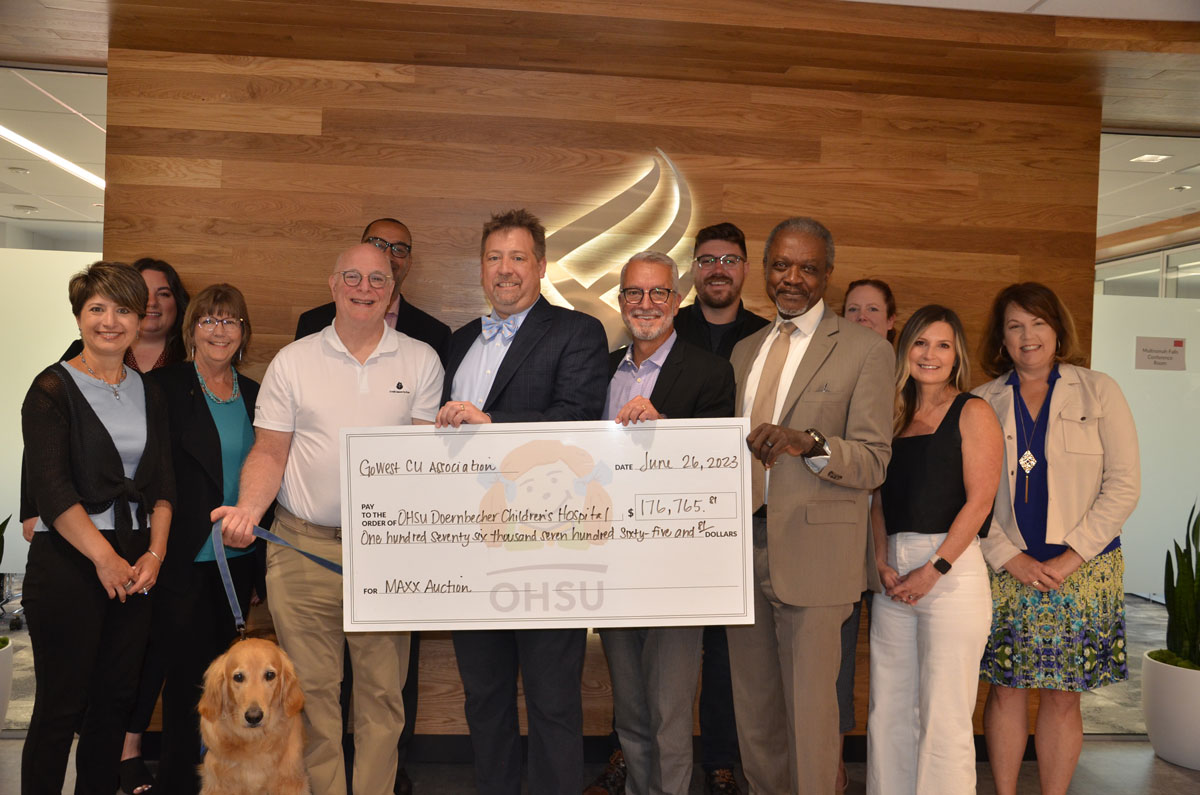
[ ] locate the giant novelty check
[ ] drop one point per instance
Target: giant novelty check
(554, 524)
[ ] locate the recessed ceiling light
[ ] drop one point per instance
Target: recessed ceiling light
(1180, 187)
(17, 170)
(1149, 158)
(28, 209)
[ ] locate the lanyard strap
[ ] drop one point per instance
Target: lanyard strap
(227, 580)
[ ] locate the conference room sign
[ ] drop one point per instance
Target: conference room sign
(557, 524)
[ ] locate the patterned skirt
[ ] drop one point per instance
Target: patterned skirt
(1069, 639)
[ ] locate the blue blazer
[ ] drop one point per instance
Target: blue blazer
(556, 367)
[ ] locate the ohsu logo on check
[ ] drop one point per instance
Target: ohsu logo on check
(574, 591)
(571, 240)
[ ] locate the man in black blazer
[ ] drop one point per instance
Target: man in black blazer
(394, 239)
(655, 671)
(527, 361)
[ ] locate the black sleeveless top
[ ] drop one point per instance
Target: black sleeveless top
(924, 489)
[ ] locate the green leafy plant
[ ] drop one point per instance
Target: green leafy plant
(1182, 590)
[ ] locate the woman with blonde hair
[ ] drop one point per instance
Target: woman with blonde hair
(930, 625)
(1072, 478)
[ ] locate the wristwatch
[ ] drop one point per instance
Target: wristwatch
(822, 445)
(940, 563)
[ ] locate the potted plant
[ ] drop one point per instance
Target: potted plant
(1171, 676)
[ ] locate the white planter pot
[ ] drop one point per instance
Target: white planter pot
(1171, 703)
(6, 675)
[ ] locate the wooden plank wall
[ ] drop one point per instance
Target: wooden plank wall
(258, 171)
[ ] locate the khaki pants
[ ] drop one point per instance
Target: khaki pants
(305, 600)
(785, 668)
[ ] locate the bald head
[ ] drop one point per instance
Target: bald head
(361, 301)
(362, 257)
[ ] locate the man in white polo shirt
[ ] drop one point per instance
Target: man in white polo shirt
(355, 372)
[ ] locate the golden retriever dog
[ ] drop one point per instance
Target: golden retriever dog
(250, 723)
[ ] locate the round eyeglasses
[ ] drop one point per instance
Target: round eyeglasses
(210, 323)
(375, 279)
(727, 261)
(658, 295)
(398, 249)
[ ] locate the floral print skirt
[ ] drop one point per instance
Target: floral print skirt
(1069, 639)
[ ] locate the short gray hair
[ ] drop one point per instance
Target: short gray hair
(658, 259)
(805, 226)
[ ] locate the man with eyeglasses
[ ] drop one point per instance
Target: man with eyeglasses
(393, 239)
(356, 371)
(655, 670)
(717, 320)
(525, 361)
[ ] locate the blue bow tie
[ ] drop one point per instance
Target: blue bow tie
(492, 327)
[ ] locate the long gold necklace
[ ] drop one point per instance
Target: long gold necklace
(1027, 460)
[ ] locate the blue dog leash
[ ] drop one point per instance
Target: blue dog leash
(227, 580)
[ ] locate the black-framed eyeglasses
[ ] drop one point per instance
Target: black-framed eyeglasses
(375, 279)
(210, 323)
(400, 250)
(658, 295)
(726, 261)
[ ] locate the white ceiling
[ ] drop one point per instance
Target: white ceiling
(1169, 10)
(65, 113)
(1136, 194)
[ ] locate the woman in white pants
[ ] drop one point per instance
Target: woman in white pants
(930, 626)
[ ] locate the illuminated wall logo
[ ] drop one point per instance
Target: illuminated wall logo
(584, 258)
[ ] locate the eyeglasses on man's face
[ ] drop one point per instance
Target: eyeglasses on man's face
(375, 279)
(658, 295)
(727, 261)
(210, 323)
(399, 250)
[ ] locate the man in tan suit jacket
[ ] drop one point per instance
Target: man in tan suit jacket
(825, 445)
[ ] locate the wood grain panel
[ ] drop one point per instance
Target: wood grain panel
(189, 114)
(1172, 232)
(174, 171)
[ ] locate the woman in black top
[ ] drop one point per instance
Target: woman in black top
(929, 628)
(99, 471)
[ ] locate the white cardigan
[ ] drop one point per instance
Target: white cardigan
(1094, 467)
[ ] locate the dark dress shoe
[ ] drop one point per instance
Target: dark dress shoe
(721, 782)
(403, 783)
(611, 780)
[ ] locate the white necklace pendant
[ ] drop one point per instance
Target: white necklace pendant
(1027, 462)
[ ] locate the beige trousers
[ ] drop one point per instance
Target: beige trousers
(305, 600)
(784, 669)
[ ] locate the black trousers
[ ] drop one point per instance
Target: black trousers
(550, 662)
(718, 726)
(87, 652)
(198, 626)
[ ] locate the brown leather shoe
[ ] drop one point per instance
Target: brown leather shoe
(721, 782)
(611, 780)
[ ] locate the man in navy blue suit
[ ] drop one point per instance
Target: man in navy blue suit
(527, 361)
